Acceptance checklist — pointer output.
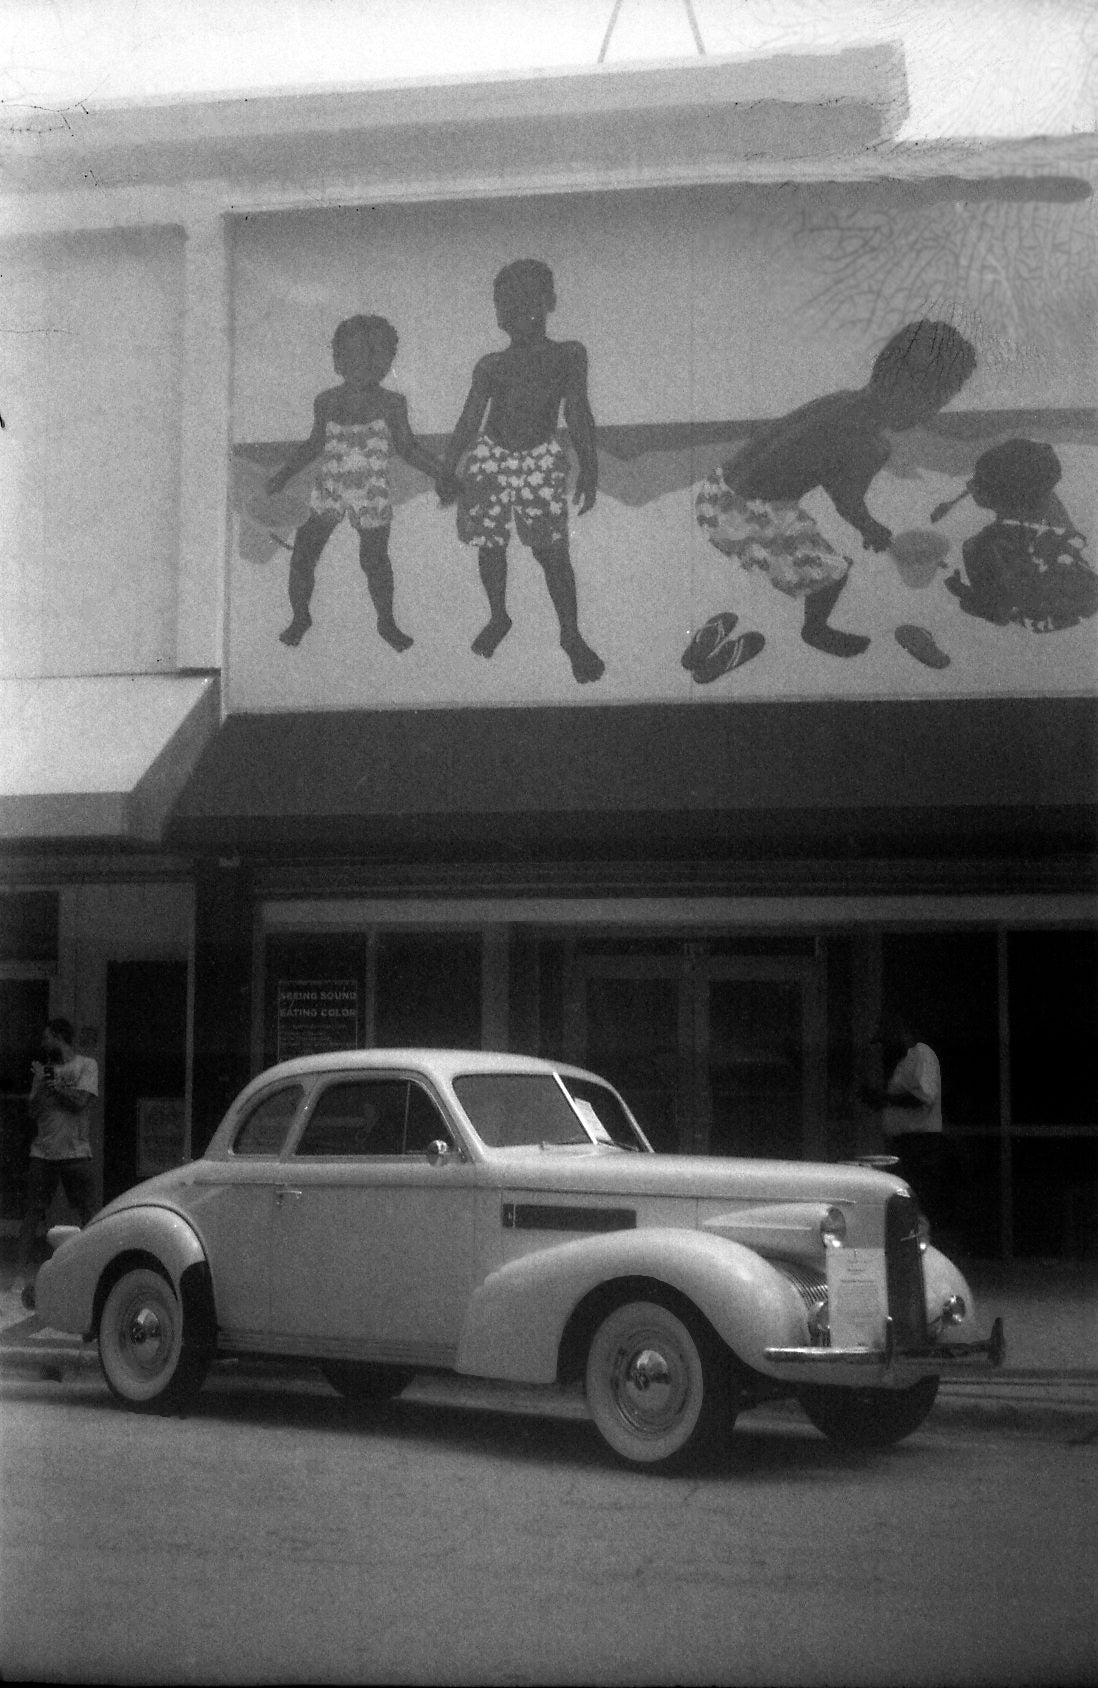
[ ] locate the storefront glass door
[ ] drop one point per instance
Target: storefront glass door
(715, 1055)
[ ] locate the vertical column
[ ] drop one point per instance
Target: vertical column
(867, 990)
(204, 446)
(813, 979)
(1006, 1107)
(221, 1060)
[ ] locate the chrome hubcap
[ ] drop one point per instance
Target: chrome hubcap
(145, 1327)
(146, 1337)
(650, 1386)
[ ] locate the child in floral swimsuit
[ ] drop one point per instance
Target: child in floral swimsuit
(750, 507)
(1027, 566)
(355, 426)
(515, 468)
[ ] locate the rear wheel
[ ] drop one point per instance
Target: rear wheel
(659, 1386)
(155, 1348)
(869, 1418)
(366, 1385)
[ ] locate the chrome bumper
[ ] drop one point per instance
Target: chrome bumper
(951, 1356)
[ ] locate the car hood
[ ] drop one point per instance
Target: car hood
(702, 1177)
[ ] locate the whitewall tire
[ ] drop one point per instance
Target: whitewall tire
(658, 1385)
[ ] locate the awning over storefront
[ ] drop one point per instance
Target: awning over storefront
(1005, 777)
(100, 757)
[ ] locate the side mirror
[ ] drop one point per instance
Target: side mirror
(437, 1151)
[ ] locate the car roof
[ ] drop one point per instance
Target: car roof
(443, 1063)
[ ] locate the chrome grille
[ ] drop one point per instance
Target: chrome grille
(904, 1270)
(809, 1285)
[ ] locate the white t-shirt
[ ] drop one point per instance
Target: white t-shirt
(918, 1074)
(63, 1134)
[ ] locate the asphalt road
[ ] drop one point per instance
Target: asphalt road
(274, 1535)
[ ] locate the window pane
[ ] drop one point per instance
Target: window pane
(428, 992)
(1053, 1013)
(425, 1123)
(266, 1127)
(633, 1040)
(357, 1118)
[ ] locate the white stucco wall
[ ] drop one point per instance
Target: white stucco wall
(89, 465)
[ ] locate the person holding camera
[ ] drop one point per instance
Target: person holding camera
(63, 1087)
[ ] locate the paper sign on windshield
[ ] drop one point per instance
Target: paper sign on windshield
(591, 1120)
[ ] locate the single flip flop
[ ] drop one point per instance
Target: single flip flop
(730, 654)
(707, 638)
(920, 644)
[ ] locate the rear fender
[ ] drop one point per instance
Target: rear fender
(517, 1317)
(67, 1289)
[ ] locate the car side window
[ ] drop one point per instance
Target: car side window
(266, 1126)
(357, 1117)
(425, 1124)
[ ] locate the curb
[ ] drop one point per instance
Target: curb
(1060, 1408)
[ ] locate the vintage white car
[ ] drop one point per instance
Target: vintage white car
(384, 1212)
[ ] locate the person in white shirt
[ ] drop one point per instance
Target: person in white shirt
(911, 1108)
(63, 1088)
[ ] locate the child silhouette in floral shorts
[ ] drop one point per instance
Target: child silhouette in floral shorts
(355, 426)
(515, 469)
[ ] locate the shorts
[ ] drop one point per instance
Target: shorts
(353, 479)
(531, 486)
(777, 536)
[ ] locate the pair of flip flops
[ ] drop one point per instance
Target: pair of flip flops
(713, 651)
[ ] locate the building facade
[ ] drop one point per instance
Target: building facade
(699, 858)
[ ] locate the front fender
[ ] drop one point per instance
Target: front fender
(66, 1285)
(943, 1280)
(517, 1316)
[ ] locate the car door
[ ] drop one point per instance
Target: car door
(372, 1236)
(232, 1203)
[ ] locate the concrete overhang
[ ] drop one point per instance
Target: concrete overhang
(707, 113)
(99, 757)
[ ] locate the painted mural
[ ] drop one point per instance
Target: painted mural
(704, 459)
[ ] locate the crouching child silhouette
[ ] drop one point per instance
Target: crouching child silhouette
(750, 506)
(1027, 566)
(515, 467)
(355, 427)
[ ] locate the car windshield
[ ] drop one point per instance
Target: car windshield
(607, 1108)
(514, 1110)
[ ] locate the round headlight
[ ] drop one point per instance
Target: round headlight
(833, 1227)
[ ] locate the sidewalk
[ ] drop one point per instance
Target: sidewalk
(1048, 1384)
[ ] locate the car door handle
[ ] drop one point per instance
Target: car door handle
(284, 1193)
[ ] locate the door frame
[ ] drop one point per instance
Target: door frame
(695, 968)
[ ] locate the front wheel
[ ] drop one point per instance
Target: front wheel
(659, 1386)
(869, 1418)
(155, 1350)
